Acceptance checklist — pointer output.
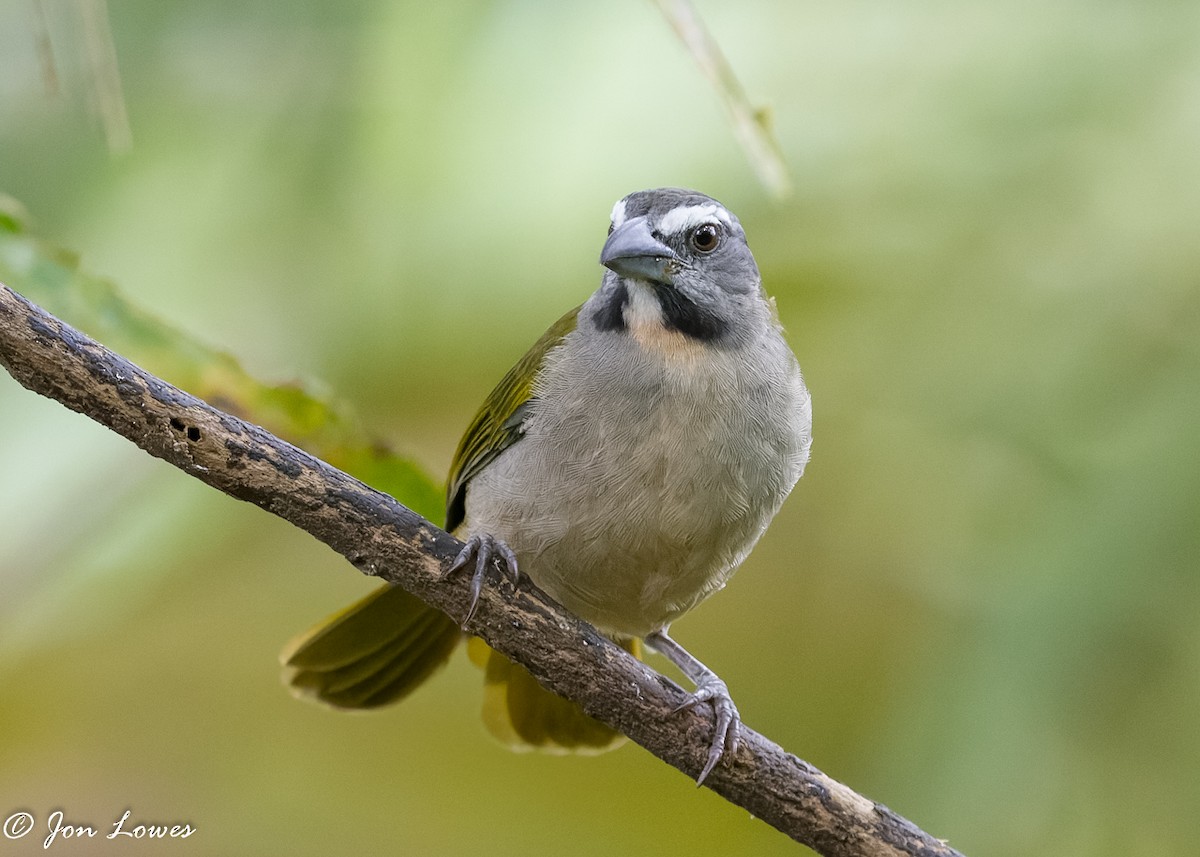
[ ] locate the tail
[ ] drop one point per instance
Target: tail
(523, 715)
(382, 648)
(375, 652)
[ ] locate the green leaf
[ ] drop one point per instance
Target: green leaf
(53, 278)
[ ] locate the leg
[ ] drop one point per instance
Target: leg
(708, 688)
(483, 548)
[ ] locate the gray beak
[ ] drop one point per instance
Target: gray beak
(633, 252)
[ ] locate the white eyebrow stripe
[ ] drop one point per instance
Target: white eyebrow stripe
(618, 213)
(681, 219)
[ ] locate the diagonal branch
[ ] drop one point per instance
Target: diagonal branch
(385, 539)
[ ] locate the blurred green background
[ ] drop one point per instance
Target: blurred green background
(981, 605)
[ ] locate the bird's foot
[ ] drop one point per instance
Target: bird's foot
(727, 734)
(482, 549)
(709, 688)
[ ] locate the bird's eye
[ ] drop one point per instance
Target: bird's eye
(705, 237)
(610, 229)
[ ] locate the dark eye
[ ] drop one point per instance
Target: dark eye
(610, 229)
(706, 237)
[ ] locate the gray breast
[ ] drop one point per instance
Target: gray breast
(642, 482)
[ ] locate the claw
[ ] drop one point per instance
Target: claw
(728, 733)
(510, 562)
(483, 548)
(709, 688)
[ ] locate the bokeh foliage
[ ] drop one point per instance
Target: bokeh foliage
(51, 277)
(981, 606)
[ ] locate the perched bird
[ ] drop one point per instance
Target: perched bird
(627, 464)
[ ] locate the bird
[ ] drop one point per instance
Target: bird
(627, 464)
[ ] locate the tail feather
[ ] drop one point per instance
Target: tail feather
(410, 671)
(375, 652)
(523, 715)
(380, 649)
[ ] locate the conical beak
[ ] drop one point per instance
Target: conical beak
(633, 251)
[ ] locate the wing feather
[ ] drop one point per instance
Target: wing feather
(500, 421)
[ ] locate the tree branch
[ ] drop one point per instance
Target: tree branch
(380, 537)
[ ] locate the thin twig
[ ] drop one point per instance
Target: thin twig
(108, 97)
(383, 538)
(45, 49)
(751, 125)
